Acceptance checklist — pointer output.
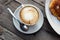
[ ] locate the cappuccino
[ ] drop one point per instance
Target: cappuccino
(29, 15)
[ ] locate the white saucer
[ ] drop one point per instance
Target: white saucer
(32, 29)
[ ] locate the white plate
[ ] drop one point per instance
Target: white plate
(54, 22)
(32, 29)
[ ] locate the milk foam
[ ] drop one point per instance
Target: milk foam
(28, 16)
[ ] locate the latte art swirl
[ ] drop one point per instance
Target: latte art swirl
(29, 15)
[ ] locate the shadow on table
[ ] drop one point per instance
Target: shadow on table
(45, 31)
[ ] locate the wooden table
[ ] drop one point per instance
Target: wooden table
(9, 32)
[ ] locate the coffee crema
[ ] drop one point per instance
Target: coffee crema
(29, 15)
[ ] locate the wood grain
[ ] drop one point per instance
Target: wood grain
(45, 33)
(7, 35)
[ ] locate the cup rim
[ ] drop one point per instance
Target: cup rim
(24, 5)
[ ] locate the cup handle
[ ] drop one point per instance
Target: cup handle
(22, 4)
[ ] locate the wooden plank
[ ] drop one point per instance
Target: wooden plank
(7, 35)
(41, 2)
(5, 2)
(23, 1)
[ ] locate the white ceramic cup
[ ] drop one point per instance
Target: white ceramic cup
(24, 5)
